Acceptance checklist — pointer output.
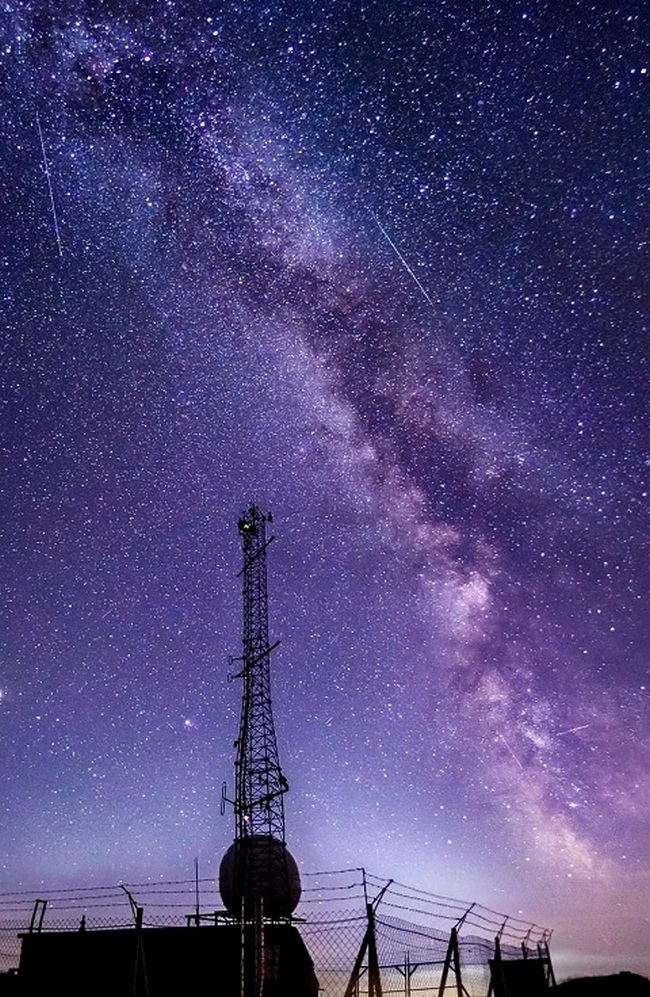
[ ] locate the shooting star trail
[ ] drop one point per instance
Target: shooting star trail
(401, 258)
(572, 730)
(49, 185)
(511, 752)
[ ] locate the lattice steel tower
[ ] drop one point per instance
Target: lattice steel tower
(258, 873)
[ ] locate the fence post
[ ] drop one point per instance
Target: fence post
(453, 956)
(369, 945)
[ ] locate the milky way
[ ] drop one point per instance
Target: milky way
(381, 269)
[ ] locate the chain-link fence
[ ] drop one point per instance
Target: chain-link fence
(419, 938)
(413, 934)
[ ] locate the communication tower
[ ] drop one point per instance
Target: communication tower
(258, 877)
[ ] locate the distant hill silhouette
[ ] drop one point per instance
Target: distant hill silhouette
(619, 985)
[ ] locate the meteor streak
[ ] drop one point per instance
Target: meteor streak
(511, 752)
(49, 185)
(401, 258)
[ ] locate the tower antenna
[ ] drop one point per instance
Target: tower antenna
(258, 875)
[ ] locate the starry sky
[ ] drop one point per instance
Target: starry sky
(382, 269)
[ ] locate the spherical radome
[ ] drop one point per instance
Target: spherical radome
(268, 871)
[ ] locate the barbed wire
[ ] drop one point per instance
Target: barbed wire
(412, 925)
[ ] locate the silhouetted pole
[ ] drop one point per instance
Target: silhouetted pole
(140, 982)
(545, 956)
(351, 988)
(374, 977)
(407, 971)
(497, 984)
(452, 959)
(369, 945)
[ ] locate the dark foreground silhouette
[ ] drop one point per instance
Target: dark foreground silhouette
(619, 985)
(158, 962)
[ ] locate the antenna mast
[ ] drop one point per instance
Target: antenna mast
(260, 784)
(257, 873)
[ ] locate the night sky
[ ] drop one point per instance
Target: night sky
(382, 269)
